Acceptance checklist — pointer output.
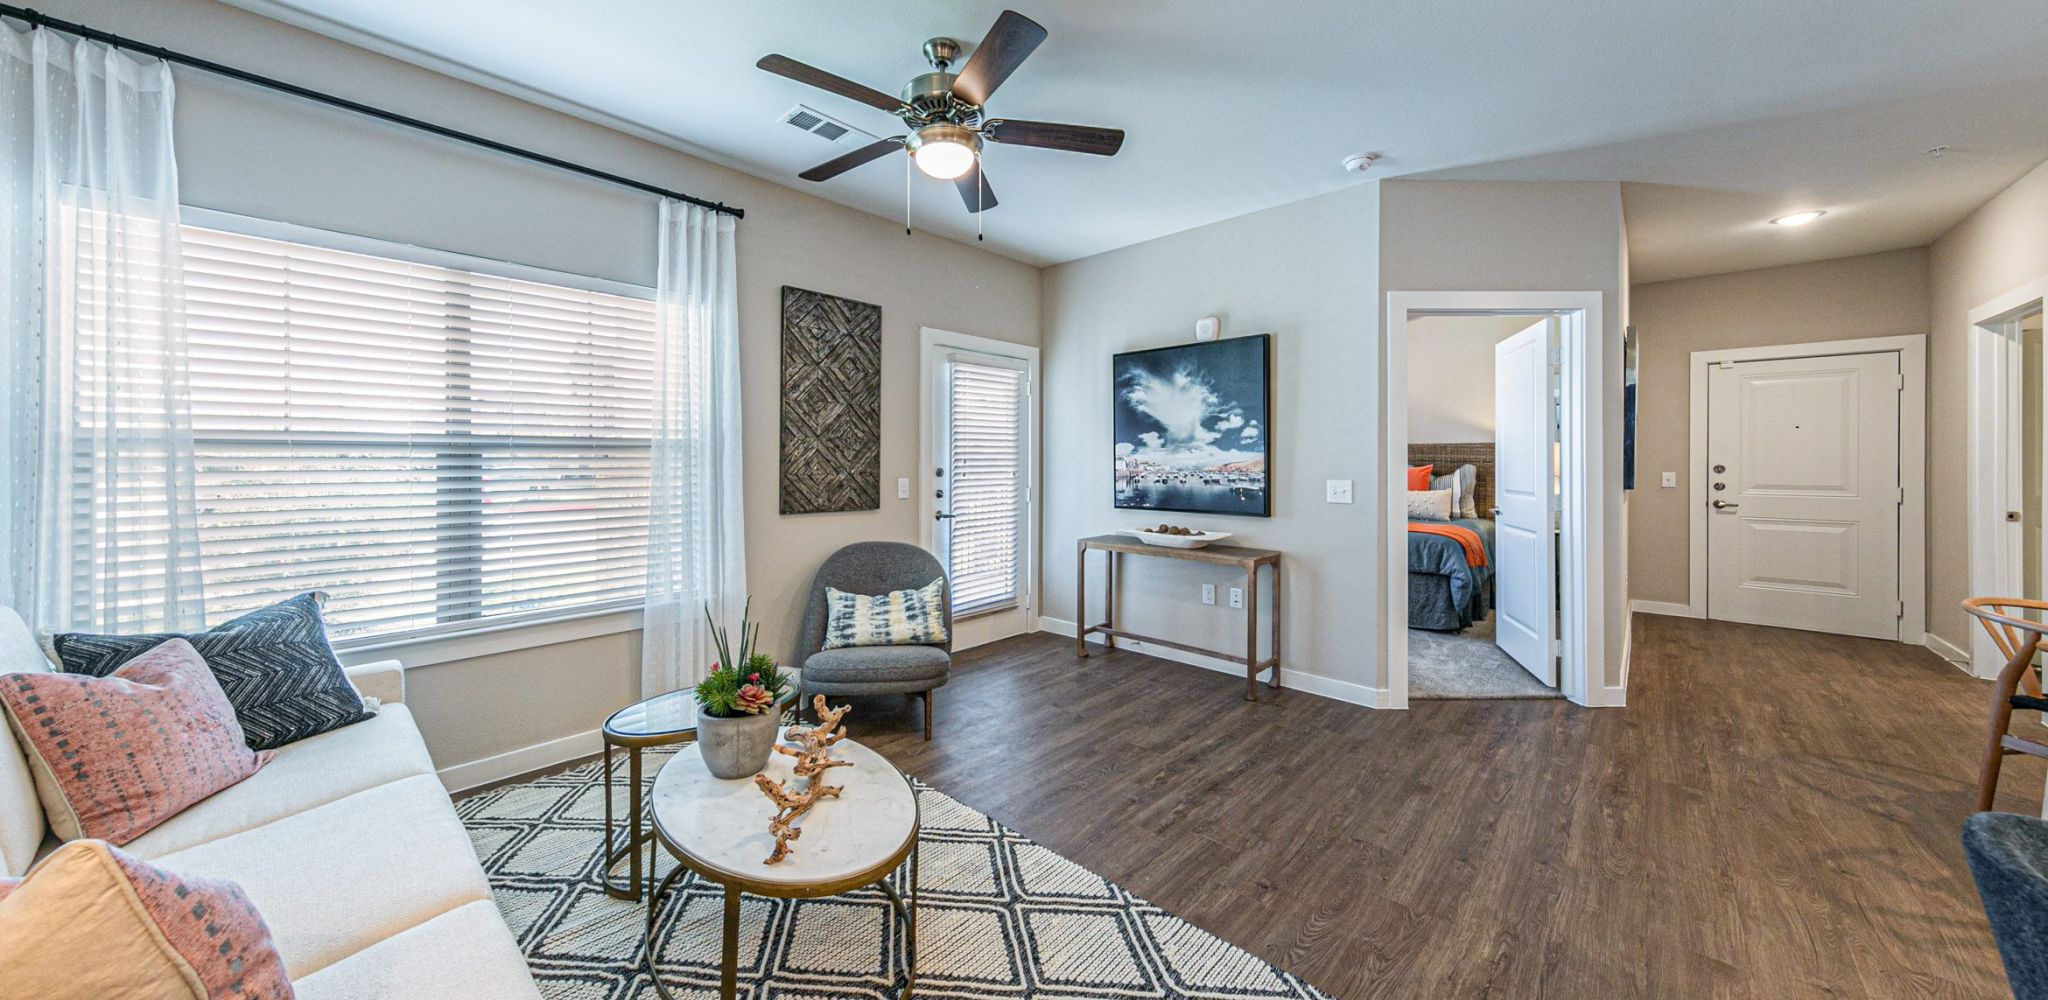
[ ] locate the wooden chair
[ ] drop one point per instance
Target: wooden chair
(2019, 684)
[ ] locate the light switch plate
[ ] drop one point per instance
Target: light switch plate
(1208, 593)
(903, 488)
(1337, 490)
(1670, 479)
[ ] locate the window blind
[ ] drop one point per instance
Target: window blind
(430, 445)
(985, 485)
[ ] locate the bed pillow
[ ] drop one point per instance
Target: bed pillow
(90, 921)
(898, 618)
(1463, 482)
(1429, 505)
(1418, 476)
(274, 663)
(115, 756)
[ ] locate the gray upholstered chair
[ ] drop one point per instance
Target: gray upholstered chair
(874, 568)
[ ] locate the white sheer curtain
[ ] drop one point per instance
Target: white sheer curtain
(696, 546)
(99, 529)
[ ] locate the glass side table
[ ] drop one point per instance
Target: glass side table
(663, 720)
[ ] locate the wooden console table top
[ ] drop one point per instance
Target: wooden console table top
(1227, 555)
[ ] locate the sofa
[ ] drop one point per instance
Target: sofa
(346, 843)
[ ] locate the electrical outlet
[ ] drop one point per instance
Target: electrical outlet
(1670, 479)
(1337, 490)
(1208, 593)
(1237, 597)
(903, 488)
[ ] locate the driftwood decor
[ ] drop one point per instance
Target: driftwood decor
(813, 761)
(831, 403)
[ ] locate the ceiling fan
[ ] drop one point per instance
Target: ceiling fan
(945, 111)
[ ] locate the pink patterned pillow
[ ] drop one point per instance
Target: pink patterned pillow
(92, 922)
(115, 756)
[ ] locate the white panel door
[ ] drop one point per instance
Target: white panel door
(1524, 549)
(1803, 490)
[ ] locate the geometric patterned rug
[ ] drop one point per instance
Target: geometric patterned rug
(998, 917)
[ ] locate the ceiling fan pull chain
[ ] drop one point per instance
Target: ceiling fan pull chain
(906, 195)
(979, 187)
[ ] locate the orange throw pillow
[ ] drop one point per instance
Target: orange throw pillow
(90, 922)
(115, 756)
(1418, 476)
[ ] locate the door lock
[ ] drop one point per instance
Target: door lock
(1725, 505)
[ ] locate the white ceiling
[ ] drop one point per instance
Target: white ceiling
(1718, 115)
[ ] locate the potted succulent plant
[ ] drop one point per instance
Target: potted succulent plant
(739, 704)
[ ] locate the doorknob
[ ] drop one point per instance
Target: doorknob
(1725, 505)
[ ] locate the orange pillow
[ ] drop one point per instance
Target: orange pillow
(89, 922)
(1418, 476)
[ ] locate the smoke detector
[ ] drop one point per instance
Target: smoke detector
(1359, 163)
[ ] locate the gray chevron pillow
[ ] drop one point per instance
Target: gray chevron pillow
(273, 663)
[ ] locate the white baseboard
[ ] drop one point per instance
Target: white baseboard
(512, 763)
(1663, 608)
(1949, 651)
(1345, 691)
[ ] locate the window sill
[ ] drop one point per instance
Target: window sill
(491, 640)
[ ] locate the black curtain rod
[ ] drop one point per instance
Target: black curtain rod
(41, 20)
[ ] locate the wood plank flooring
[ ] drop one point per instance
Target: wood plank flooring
(1774, 815)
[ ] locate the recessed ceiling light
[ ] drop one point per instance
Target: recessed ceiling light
(1797, 218)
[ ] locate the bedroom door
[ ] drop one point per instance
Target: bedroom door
(1803, 481)
(1525, 498)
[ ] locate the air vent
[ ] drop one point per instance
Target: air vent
(826, 127)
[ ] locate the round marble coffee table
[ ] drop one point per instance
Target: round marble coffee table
(719, 830)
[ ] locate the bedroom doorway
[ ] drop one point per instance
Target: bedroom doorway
(1483, 427)
(1506, 598)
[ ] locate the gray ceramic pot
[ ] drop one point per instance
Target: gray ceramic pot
(738, 747)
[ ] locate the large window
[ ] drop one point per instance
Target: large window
(431, 444)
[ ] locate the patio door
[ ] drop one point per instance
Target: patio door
(980, 490)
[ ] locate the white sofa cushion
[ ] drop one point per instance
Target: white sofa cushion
(464, 954)
(21, 812)
(338, 878)
(304, 775)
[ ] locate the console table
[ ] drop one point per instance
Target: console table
(1115, 547)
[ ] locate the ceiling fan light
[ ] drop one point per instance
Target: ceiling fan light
(1798, 218)
(946, 151)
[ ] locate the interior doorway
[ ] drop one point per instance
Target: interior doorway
(1559, 466)
(1483, 448)
(979, 472)
(2008, 453)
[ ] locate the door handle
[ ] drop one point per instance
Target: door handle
(1725, 505)
(942, 517)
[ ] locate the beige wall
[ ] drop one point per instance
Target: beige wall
(1450, 375)
(1304, 273)
(1525, 236)
(1998, 248)
(255, 153)
(1875, 295)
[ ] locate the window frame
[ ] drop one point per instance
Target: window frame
(488, 633)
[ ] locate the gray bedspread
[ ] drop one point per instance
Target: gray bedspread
(1444, 592)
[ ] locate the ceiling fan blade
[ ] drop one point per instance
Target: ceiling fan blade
(1012, 38)
(838, 165)
(974, 189)
(1052, 135)
(782, 65)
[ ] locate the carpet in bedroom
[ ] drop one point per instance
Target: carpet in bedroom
(1447, 665)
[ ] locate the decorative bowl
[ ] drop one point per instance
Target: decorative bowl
(1194, 541)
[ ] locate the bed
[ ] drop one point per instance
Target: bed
(1445, 592)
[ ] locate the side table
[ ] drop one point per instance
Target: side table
(663, 720)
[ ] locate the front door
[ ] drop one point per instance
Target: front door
(982, 492)
(1803, 493)
(1525, 498)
